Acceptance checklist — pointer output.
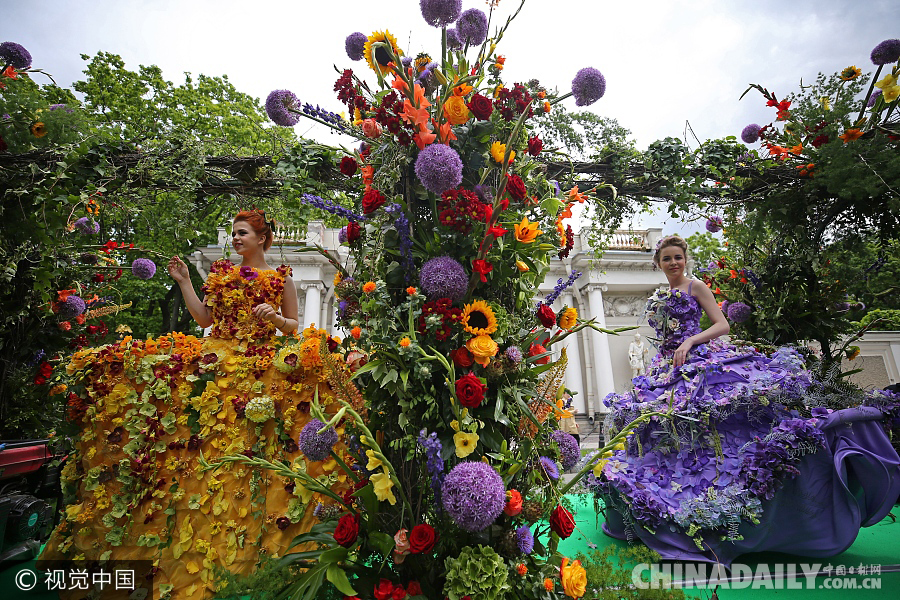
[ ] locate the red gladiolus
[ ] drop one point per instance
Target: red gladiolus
(561, 522)
(536, 349)
(497, 231)
(482, 267)
(546, 316)
(470, 391)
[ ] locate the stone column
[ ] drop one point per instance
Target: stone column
(603, 371)
(312, 307)
(574, 377)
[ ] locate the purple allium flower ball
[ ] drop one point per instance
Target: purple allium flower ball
(886, 52)
(443, 277)
(472, 27)
(549, 467)
(277, 105)
(15, 55)
(143, 268)
(725, 304)
(514, 354)
(714, 224)
(440, 13)
(72, 307)
(569, 452)
(342, 235)
(453, 42)
(484, 193)
(739, 312)
(750, 133)
(473, 495)
(355, 45)
(873, 98)
(524, 539)
(439, 168)
(87, 226)
(588, 86)
(314, 445)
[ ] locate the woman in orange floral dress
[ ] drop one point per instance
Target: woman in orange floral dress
(149, 409)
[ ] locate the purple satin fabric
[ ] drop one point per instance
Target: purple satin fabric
(853, 482)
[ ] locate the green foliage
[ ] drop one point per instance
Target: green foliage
(478, 572)
(888, 319)
(609, 573)
(704, 248)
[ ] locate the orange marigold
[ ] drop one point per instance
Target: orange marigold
(548, 584)
(369, 287)
(356, 332)
(411, 291)
(521, 569)
(405, 342)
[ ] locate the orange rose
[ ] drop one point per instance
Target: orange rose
(456, 111)
(483, 348)
(573, 578)
(513, 503)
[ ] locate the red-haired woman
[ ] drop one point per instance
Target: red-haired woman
(251, 236)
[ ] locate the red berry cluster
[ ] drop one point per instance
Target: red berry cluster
(458, 208)
(449, 316)
(512, 103)
(347, 92)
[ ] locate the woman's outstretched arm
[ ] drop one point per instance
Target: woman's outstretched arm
(718, 328)
(179, 272)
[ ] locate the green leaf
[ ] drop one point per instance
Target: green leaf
(338, 578)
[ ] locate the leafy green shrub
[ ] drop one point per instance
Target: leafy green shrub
(889, 319)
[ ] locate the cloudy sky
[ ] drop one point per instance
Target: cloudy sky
(666, 62)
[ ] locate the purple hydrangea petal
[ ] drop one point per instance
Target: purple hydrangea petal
(143, 268)
(473, 495)
(15, 55)
(588, 86)
(439, 168)
(440, 13)
(472, 27)
(355, 45)
(886, 52)
(277, 105)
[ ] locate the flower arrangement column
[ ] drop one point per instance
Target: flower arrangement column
(312, 307)
(600, 345)
(574, 376)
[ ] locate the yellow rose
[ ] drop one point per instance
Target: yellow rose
(573, 578)
(483, 348)
(456, 111)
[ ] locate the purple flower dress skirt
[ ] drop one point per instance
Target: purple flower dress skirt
(753, 458)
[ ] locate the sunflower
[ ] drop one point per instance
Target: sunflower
(851, 72)
(478, 318)
(378, 58)
(38, 129)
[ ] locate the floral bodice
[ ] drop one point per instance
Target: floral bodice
(232, 292)
(675, 315)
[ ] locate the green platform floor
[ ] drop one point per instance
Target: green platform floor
(876, 545)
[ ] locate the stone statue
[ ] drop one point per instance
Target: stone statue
(638, 353)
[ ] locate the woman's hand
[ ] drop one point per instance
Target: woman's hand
(266, 312)
(178, 270)
(681, 352)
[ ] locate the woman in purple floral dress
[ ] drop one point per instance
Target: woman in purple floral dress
(754, 457)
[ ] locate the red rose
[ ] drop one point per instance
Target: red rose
(413, 588)
(354, 231)
(481, 107)
(513, 503)
(535, 145)
(372, 200)
(384, 589)
(470, 391)
(536, 349)
(422, 539)
(399, 593)
(347, 530)
(546, 316)
(349, 166)
(462, 357)
(561, 522)
(516, 187)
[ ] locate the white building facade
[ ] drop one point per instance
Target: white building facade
(613, 290)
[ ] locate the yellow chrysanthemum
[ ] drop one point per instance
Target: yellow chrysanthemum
(478, 318)
(498, 150)
(568, 319)
(378, 58)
